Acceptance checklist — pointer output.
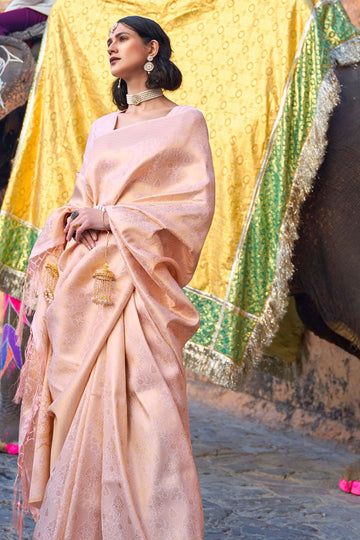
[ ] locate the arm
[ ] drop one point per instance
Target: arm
(83, 228)
(89, 220)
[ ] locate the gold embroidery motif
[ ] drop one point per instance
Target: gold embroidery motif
(52, 275)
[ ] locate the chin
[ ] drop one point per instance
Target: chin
(115, 73)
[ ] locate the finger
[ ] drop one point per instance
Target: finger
(74, 214)
(72, 229)
(90, 239)
(83, 240)
(80, 231)
(71, 218)
(78, 225)
(94, 235)
(69, 232)
(70, 212)
(90, 244)
(67, 224)
(66, 221)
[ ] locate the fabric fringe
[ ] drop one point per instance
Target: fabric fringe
(214, 365)
(33, 365)
(30, 383)
(311, 157)
(347, 53)
(18, 513)
(23, 372)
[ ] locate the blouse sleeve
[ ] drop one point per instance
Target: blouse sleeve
(88, 150)
(82, 194)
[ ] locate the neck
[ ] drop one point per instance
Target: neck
(136, 89)
(136, 84)
(145, 96)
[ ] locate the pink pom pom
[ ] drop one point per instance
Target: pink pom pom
(12, 448)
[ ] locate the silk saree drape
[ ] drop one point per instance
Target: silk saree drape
(263, 77)
(104, 446)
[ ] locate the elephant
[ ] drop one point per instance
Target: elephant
(326, 256)
(18, 53)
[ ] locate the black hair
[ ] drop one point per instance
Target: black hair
(165, 74)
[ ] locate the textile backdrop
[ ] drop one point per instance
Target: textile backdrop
(262, 77)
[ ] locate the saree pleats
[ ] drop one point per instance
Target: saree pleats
(123, 470)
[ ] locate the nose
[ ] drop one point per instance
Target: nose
(111, 48)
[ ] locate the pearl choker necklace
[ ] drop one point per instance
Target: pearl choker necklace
(136, 99)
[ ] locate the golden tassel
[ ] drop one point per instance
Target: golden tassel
(103, 278)
(52, 275)
(102, 286)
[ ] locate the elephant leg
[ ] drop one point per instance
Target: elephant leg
(311, 317)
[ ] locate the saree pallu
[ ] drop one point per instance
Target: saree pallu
(105, 449)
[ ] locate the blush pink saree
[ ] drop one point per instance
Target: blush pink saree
(105, 450)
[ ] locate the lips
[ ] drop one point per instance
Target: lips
(114, 59)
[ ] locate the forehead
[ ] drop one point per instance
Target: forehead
(120, 27)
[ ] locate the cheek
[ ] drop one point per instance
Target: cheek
(135, 52)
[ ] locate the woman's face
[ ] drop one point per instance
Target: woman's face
(127, 52)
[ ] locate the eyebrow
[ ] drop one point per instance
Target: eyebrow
(109, 41)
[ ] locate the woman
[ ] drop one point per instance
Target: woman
(105, 450)
(20, 14)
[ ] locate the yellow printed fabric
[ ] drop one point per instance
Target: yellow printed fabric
(257, 71)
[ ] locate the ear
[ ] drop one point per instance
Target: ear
(153, 47)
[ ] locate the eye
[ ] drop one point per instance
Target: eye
(123, 38)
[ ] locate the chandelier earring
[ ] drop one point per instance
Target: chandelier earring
(149, 66)
(119, 83)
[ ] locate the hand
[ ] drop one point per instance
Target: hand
(84, 226)
(88, 238)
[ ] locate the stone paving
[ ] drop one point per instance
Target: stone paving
(256, 483)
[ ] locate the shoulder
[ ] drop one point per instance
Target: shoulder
(190, 111)
(192, 121)
(191, 116)
(103, 124)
